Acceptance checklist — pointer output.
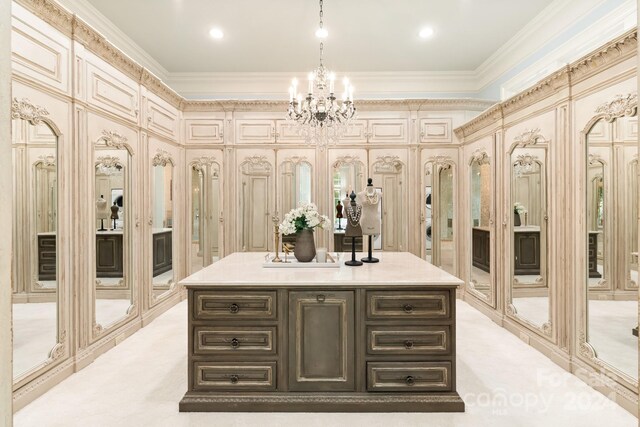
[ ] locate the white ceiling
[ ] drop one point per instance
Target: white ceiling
(278, 35)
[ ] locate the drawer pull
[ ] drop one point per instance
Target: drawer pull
(321, 298)
(410, 380)
(234, 308)
(408, 308)
(234, 379)
(408, 344)
(235, 343)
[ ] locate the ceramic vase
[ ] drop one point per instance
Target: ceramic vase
(305, 250)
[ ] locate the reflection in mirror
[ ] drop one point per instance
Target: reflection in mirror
(35, 278)
(256, 204)
(205, 212)
(529, 282)
(348, 176)
(387, 174)
(480, 277)
(439, 216)
(162, 232)
(113, 296)
(296, 183)
(611, 228)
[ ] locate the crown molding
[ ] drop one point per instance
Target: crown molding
(257, 105)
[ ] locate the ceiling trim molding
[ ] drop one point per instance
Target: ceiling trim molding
(469, 104)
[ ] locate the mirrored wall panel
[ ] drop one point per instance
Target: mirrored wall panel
(388, 178)
(295, 183)
(113, 292)
(35, 241)
(205, 214)
(481, 211)
(348, 175)
(162, 223)
(530, 296)
(611, 186)
(439, 215)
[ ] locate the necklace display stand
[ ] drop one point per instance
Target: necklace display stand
(354, 213)
(369, 258)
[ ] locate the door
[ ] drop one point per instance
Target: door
(321, 327)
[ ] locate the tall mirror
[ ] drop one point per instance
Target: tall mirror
(388, 177)
(439, 214)
(611, 205)
(529, 282)
(481, 200)
(295, 183)
(162, 223)
(205, 213)
(348, 175)
(36, 297)
(112, 212)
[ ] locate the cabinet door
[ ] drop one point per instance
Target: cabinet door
(387, 130)
(321, 327)
(287, 131)
(255, 131)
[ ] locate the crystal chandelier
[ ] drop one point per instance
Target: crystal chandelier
(322, 118)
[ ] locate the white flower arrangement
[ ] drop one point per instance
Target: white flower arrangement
(304, 217)
(519, 208)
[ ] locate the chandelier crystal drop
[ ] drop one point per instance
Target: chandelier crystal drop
(321, 116)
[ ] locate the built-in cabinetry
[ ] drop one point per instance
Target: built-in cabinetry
(526, 246)
(322, 342)
(481, 254)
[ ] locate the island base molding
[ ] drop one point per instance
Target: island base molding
(321, 402)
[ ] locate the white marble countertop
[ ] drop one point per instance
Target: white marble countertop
(394, 268)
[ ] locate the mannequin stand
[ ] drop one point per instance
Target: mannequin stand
(370, 258)
(353, 262)
(102, 225)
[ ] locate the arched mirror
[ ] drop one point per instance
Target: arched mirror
(481, 185)
(529, 284)
(205, 213)
(36, 261)
(348, 175)
(111, 203)
(163, 279)
(295, 183)
(610, 236)
(388, 177)
(439, 214)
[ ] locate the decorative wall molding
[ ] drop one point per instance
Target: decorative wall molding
(388, 164)
(201, 162)
(256, 165)
(480, 157)
(620, 106)
(445, 162)
(109, 162)
(530, 136)
(24, 110)
(345, 160)
(490, 117)
(48, 160)
(115, 140)
(610, 54)
(162, 158)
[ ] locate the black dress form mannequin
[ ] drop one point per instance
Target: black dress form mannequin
(114, 214)
(339, 215)
(353, 230)
(369, 258)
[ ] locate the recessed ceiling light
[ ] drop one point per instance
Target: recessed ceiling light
(216, 33)
(322, 33)
(426, 32)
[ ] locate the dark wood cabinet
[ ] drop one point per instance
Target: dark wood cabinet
(593, 255)
(162, 252)
(109, 255)
(481, 249)
(343, 244)
(46, 257)
(526, 246)
(321, 326)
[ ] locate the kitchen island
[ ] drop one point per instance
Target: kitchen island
(376, 338)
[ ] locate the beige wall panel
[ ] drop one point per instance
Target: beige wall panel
(255, 131)
(204, 131)
(387, 130)
(435, 130)
(110, 90)
(39, 52)
(162, 118)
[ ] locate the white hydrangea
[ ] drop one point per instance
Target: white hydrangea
(312, 219)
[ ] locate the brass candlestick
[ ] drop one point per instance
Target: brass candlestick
(276, 236)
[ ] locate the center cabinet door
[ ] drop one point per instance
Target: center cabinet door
(321, 327)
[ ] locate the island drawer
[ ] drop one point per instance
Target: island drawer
(234, 376)
(234, 305)
(409, 340)
(235, 340)
(401, 376)
(408, 305)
